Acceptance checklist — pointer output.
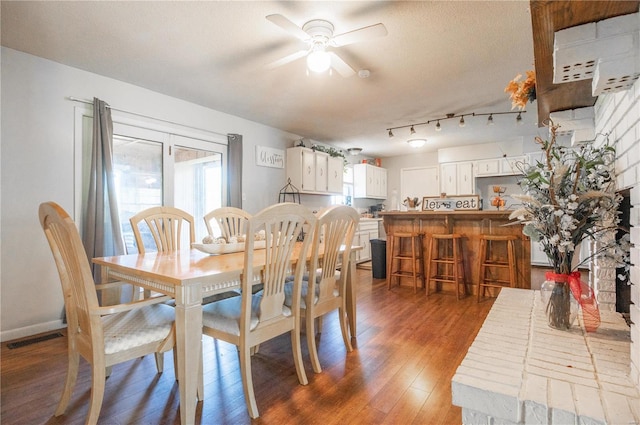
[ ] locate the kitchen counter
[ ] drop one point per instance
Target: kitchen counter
(471, 225)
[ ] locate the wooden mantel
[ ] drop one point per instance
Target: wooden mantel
(471, 225)
(547, 17)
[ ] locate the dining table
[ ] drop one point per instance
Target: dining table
(189, 276)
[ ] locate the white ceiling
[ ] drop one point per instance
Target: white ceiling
(438, 58)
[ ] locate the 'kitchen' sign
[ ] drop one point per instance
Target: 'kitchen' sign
(459, 203)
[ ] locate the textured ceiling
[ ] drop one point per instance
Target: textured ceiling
(438, 58)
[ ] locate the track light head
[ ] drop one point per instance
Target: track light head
(462, 123)
(490, 120)
(519, 118)
(438, 127)
(413, 130)
(390, 133)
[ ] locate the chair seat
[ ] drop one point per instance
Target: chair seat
(225, 315)
(126, 330)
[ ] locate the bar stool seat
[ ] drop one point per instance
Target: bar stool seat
(492, 269)
(445, 263)
(398, 255)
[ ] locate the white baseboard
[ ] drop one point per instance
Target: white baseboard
(31, 330)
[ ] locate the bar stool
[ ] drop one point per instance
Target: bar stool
(415, 256)
(489, 263)
(445, 263)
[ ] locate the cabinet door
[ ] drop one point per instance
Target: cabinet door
(365, 243)
(322, 164)
(512, 165)
(488, 167)
(464, 176)
(383, 183)
(448, 180)
(308, 171)
(335, 171)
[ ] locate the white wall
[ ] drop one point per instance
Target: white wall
(37, 164)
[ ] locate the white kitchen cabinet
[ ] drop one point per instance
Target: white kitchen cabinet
(310, 171)
(369, 181)
(367, 230)
(465, 182)
(335, 174)
(507, 166)
(512, 165)
(457, 178)
(322, 164)
(488, 167)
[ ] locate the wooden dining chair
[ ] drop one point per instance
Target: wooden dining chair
(251, 319)
(165, 225)
(332, 240)
(103, 336)
(229, 220)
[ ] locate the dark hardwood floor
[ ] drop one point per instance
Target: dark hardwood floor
(408, 348)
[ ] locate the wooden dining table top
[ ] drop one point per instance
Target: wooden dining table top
(181, 266)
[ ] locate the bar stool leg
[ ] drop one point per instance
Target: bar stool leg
(512, 263)
(428, 265)
(483, 254)
(389, 260)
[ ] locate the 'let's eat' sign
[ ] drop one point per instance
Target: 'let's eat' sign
(459, 203)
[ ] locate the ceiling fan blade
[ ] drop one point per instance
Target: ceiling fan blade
(341, 66)
(288, 26)
(289, 58)
(362, 34)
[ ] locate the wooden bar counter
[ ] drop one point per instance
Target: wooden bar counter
(470, 225)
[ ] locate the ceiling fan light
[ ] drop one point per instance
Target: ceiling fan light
(318, 61)
(416, 143)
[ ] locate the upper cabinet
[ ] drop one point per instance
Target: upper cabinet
(314, 172)
(457, 178)
(500, 166)
(369, 181)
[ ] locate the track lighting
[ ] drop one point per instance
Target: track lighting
(461, 123)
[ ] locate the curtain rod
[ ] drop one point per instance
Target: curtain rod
(89, 102)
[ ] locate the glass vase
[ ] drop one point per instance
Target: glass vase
(560, 305)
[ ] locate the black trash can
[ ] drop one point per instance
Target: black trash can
(379, 258)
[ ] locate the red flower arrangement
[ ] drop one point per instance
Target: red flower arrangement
(522, 91)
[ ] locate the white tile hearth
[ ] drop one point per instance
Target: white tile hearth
(520, 371)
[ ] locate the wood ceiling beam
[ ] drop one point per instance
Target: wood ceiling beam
(547, 17)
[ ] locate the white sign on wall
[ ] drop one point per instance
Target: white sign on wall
(269, 157)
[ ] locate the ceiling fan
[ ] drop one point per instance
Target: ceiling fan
(318, 35)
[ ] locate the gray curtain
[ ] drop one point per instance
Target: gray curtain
(102, 235)
(234, 171)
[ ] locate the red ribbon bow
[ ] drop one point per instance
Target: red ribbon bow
(583, 294)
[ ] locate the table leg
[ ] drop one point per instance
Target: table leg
(351, 295)
(188, 346)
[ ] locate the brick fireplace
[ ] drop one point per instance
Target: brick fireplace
(519, 371)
